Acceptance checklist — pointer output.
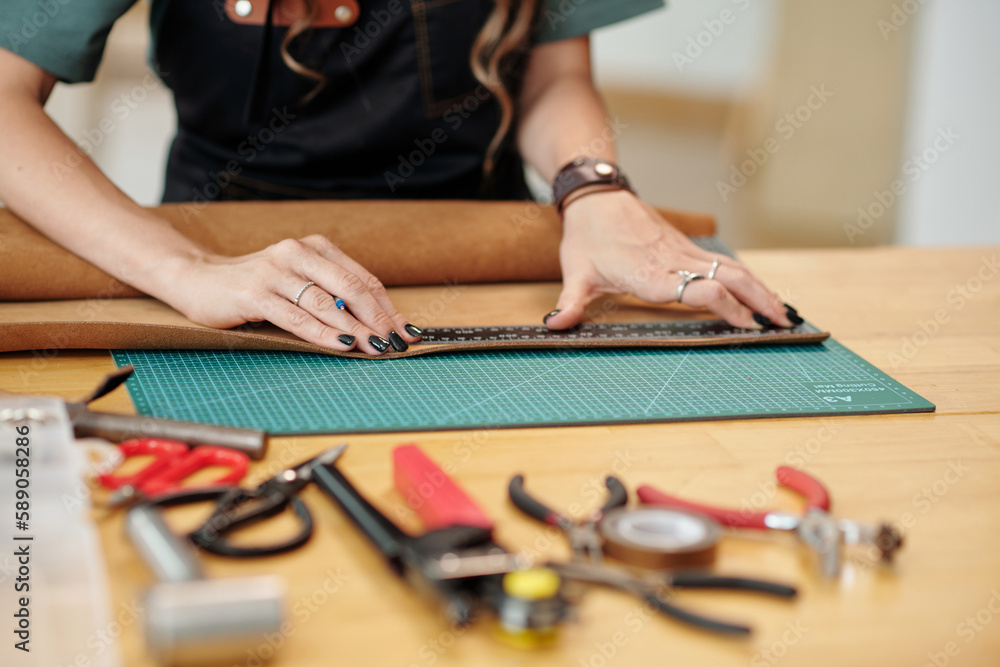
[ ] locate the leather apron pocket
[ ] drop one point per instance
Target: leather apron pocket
(445, 31)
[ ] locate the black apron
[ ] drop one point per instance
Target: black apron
(401, 115)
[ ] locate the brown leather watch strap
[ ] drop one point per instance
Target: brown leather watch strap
(590, 189)
(586, 171)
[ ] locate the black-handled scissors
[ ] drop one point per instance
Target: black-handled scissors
(238, 508)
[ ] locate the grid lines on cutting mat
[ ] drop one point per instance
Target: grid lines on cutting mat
(294, 393)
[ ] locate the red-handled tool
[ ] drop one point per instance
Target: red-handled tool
(820, 531)
(806, 485)
(457, 560)
(172, 463)
(164, 452)
(436, 499)
(814, 492)
(727, 517)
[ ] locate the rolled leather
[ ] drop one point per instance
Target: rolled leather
(400, 242)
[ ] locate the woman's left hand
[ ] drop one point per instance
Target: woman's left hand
(614, 243)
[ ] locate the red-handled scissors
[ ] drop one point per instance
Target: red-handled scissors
(820, 531)
(173, 462)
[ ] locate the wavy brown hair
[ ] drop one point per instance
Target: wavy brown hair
(495, 54)
(504, 37)
(300, 26)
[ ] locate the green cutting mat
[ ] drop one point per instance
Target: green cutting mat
(293, 393)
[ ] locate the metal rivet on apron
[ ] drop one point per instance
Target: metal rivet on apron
(343, 13)
(243, 7)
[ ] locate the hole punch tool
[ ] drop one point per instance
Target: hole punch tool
(117, 428)
(172, 463)
(239, 508)
(588, 566)
(456, 560)
(816, 527)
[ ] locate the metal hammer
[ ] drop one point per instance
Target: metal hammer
(191, 619)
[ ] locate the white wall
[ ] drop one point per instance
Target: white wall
(955, 84)
(727, 51)
(141, 120)
(127, 116)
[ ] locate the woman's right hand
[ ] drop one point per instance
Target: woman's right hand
(224, 292)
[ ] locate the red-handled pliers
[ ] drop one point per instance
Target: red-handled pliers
(820, 531)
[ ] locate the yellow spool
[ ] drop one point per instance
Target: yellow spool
(534, 584)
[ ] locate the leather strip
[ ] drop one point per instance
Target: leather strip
(25, 336)
(144, 323)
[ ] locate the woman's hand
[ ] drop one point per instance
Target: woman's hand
(224, 292)
(613, 243)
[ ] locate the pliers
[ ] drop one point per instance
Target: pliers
(583, 536)
(816, 527)
(588, 566)
(657, 589)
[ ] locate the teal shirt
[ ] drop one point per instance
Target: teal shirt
(563, 19)
(67, 37)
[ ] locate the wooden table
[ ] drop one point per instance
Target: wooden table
(930, 318)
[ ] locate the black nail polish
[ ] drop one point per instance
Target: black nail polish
(413, 330)
(791, 308)
(545, 320)
(397, 342)
(345, 339)
(793, 315)
(379, 343)
(762, 320)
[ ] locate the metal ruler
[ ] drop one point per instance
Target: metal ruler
(622, 333)
(682, 333)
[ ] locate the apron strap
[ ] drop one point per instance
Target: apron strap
(254, 110)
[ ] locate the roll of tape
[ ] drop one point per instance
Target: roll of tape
(660, 537)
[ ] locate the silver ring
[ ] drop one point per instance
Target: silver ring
(688, 277)
(715, 267)
(298, 296)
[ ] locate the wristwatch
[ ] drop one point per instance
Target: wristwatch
(585, 171)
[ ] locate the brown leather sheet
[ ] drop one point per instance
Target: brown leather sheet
(144, 323)
(452, 264)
